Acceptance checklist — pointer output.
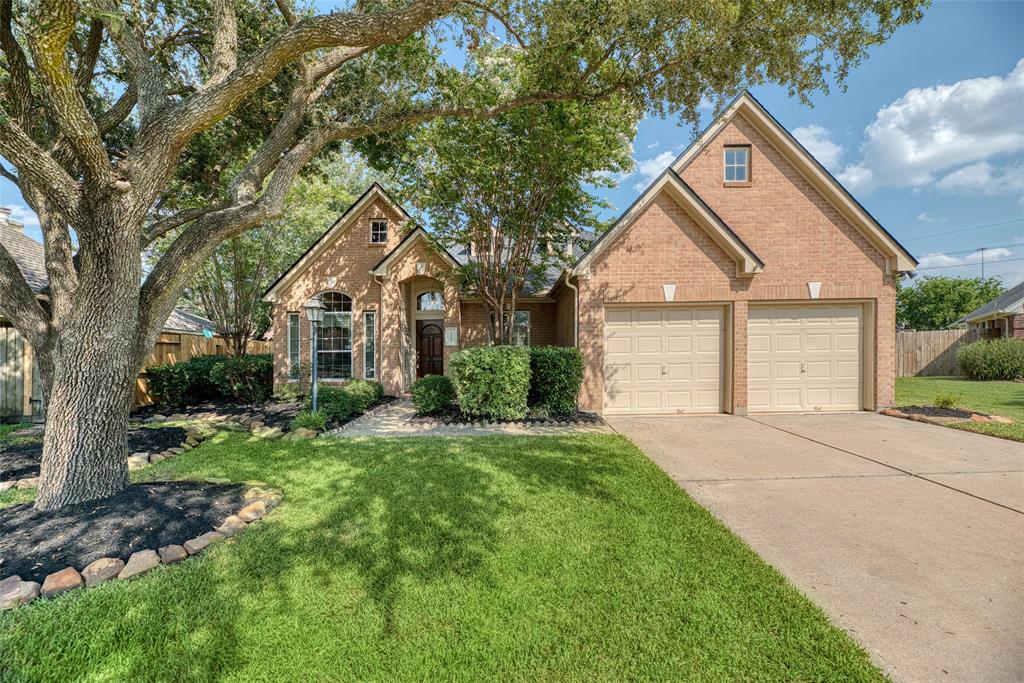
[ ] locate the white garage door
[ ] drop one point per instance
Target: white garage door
(804, 358)
(663, 360)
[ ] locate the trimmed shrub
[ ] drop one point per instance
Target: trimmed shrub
(364, 393)
(556, 373)
(336, 403)
(286, 392)
(492, 381)
(248, 378)
(310, 419)
(992, 359)
(947, 400)
(179, 384)
(432, 393)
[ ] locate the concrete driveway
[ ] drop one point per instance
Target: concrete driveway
(910, 536)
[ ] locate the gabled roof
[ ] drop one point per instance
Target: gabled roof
(375, 191)
(746, 105)
(747, 262)
(405, 245)
(181, 320)
(1010, 301)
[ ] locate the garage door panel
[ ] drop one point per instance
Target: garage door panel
(805, 358)
(673, 356)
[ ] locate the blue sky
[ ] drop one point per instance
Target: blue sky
(929, 136)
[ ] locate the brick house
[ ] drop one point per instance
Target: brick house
(1000, 317)
(744, 278)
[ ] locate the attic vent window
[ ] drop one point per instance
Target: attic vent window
(378, 232)
(737, 164)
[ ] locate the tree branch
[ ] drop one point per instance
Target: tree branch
(225, 41)
(36, 166)
(145, 74)
(20, 84)
(165, 225)
(91, 53)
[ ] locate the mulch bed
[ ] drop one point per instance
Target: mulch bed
(34, 543)
(453, 416)
(933, 411)
(21, 461)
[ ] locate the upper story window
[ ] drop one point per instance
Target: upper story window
(378, 232)
(737, 164)
(430, 301)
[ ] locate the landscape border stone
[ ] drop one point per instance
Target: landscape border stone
(259, 500)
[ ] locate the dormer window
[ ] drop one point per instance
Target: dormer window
(737, 164)
(378, 232)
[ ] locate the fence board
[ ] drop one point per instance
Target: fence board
(930, 353)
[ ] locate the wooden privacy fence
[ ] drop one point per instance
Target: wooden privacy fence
(178, 348)
(930, 353)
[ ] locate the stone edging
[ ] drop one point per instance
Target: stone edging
(943, 420)
(136, 461)
(259, 501)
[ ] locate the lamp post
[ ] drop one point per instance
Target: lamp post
(315, 312)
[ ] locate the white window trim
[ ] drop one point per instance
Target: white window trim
(745, 166)
(374, 221)
(293, 370)
(529, 324)
(373, 346)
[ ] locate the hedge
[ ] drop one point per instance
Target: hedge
(992, 359)
(492, 381)
(179, 384)
(556, 373)
(432, 393)
(247, 378)
(340, 402)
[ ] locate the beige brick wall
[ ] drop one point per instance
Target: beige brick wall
(542, 323)
(796, 232)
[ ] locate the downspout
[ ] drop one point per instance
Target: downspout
(575, 312)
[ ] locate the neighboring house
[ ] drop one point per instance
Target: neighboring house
(1001, 317)
(20, 394)
(743, 279)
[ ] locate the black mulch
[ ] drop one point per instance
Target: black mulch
(452, 415)
(34, 543)
(272, 413)
(934, 411)
(21, 461)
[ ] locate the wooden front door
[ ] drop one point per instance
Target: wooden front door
(429, 348)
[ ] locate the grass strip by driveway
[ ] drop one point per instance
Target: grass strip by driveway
(490, 558)
(999, 398)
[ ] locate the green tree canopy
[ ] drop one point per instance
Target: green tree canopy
(933, 302)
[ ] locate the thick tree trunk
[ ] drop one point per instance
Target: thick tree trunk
(90, 370)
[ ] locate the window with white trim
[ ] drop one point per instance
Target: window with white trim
(370, 345)
(293, 345)
(334, 341)
(378, 231)
(737, 164)
(520, 328)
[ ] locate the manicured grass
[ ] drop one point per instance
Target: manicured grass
(489, 558)
(999, 398)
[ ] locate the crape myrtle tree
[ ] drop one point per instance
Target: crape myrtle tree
(101, 102)
(933, 302)
(512, 189)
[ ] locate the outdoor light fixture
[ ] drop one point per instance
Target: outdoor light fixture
(315, 312)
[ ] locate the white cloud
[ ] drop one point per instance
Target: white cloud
(649, 169)
(818, 141)
(984, 178)
(23, 214)
(653, 145)
(925, 218)
(940, 259)
(932, 130)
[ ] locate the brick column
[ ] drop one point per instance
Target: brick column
(739, 358)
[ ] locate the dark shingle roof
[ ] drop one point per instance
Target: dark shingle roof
(29, 256)
(1000, 303)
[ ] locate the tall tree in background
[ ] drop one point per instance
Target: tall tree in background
(513, 189)
(935, 302)
(103, 104)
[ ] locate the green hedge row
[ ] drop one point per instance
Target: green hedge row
(340, 402)
(502, 382)
(992, 359)
(246, 379)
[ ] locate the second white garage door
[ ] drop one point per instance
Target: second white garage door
(665, 359)
(805, 358)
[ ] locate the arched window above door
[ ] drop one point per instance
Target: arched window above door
(430, 301)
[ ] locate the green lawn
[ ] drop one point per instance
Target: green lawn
(489, 558)
(999, 398)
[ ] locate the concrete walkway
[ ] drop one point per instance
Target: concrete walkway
(910, 536)
(395, 419)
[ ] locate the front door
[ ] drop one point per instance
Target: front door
(429, 348)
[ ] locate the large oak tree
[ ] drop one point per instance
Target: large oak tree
(100, 101)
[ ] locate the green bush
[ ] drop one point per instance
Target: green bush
(947, 400)
(492, 381)
(336, 403)
(179, 384)
(992, 359)
(365, 393)
(286, 392)
(432, 393)
(556, 373)
(310, 419)
(248, 378)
